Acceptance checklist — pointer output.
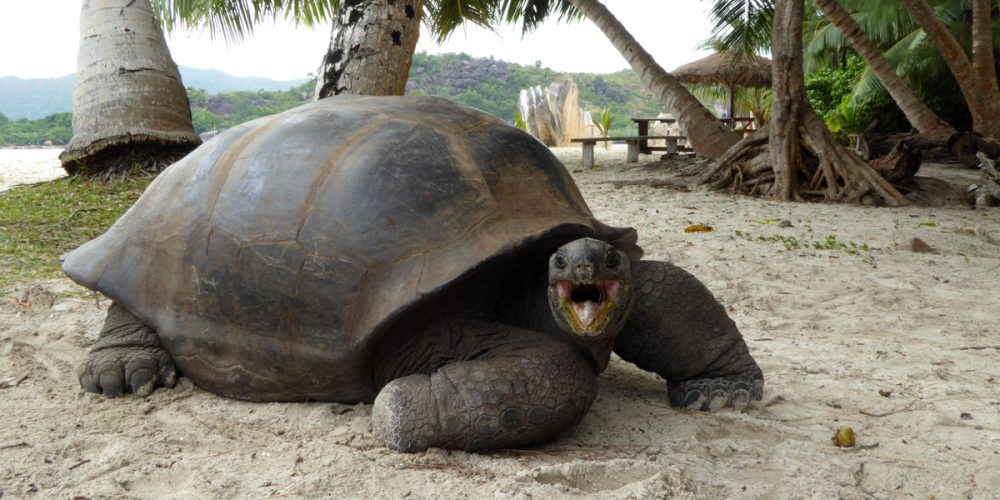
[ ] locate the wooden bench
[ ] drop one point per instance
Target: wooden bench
(634, 143)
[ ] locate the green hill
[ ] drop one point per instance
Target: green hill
(485, 83)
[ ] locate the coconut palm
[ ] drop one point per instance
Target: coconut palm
(130, 109)
(708, 136)
(371, 42)
(976, 76)
(919, 115)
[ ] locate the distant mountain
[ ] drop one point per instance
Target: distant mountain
(34, 98)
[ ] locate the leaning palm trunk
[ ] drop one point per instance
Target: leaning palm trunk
(130, 109)
(919, 115)
(709, 137)
(371, 48)
(976, 78)
(771, 161)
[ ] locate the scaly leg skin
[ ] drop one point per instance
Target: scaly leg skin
(127, 357)
(525, 388)
(679, 331)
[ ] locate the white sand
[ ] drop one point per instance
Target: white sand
(830, 329)
(27, 165)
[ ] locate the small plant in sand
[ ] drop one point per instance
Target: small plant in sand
(39, 222)
(830, 243)
(603, 124)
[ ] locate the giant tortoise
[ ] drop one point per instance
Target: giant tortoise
(402, 250)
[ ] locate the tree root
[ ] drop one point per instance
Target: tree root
(127, 160)
(986, 193)
(827, 169)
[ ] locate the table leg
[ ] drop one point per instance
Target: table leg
(588, 154)
(644, 130)
(671, 146)
(633, 152)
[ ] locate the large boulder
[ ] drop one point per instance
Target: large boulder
(553, 114)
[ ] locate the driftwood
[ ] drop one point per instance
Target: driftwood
(900, 164)
(966, 146)
(986, 192)
(873, 145)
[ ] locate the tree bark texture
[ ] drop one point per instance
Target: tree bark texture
(708, 136)
(130, 108)
(788, 87)
(982, 44)
(981, 96)
(919, 115)
(371, 48)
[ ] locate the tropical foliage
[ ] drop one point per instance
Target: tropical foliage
(57, 128)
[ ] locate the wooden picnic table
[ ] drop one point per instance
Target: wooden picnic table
(633, 143)
(643, 126)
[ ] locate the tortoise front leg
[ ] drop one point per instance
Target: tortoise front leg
(679, 331)
(127, 357)
(518, 388)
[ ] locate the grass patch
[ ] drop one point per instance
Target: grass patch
(40, 222)
(830, 243)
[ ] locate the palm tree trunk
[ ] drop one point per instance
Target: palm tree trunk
(130, 108)
(982, 98)
(982, 45)
(788, 86)
(709, 137)
(776, 166)
(919, 115)
(371, 48)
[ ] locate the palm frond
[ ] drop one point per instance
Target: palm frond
(531, 13)
(743, 25)
(235, 19)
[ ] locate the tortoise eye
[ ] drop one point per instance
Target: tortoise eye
(560, 262)
(612, 260)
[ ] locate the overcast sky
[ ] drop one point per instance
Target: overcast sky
(39, 38)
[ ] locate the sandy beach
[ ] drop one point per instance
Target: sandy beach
(27, 165)
(851, 327)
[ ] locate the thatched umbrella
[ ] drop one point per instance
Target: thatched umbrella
(729, 69)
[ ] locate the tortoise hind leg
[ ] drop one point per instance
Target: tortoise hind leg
(522, 388)
(681, 332)
(127, 357)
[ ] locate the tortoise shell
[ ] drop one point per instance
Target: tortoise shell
(271, 259)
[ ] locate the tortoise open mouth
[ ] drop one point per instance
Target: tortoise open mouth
(588, 306)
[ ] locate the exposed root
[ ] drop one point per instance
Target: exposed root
(827, 170)
(127, 160)
(986, 193)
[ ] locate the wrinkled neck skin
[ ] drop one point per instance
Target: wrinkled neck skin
(526, 305)
(453, 326)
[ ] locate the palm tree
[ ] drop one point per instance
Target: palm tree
(371, 43)
(130, 109)
(371, 48)
(976, 77)
(919, 115)
(708, 136)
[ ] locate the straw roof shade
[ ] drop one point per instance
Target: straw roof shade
(728, 69)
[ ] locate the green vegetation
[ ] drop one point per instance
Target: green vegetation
(39, 222)
(228, 109)
(831, 243)
(493, 86)
(57, 128)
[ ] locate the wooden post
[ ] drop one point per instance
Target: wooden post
(633, 151)
(671, 146)
(588, 154)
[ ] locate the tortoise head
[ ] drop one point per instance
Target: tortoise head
(590, 288)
